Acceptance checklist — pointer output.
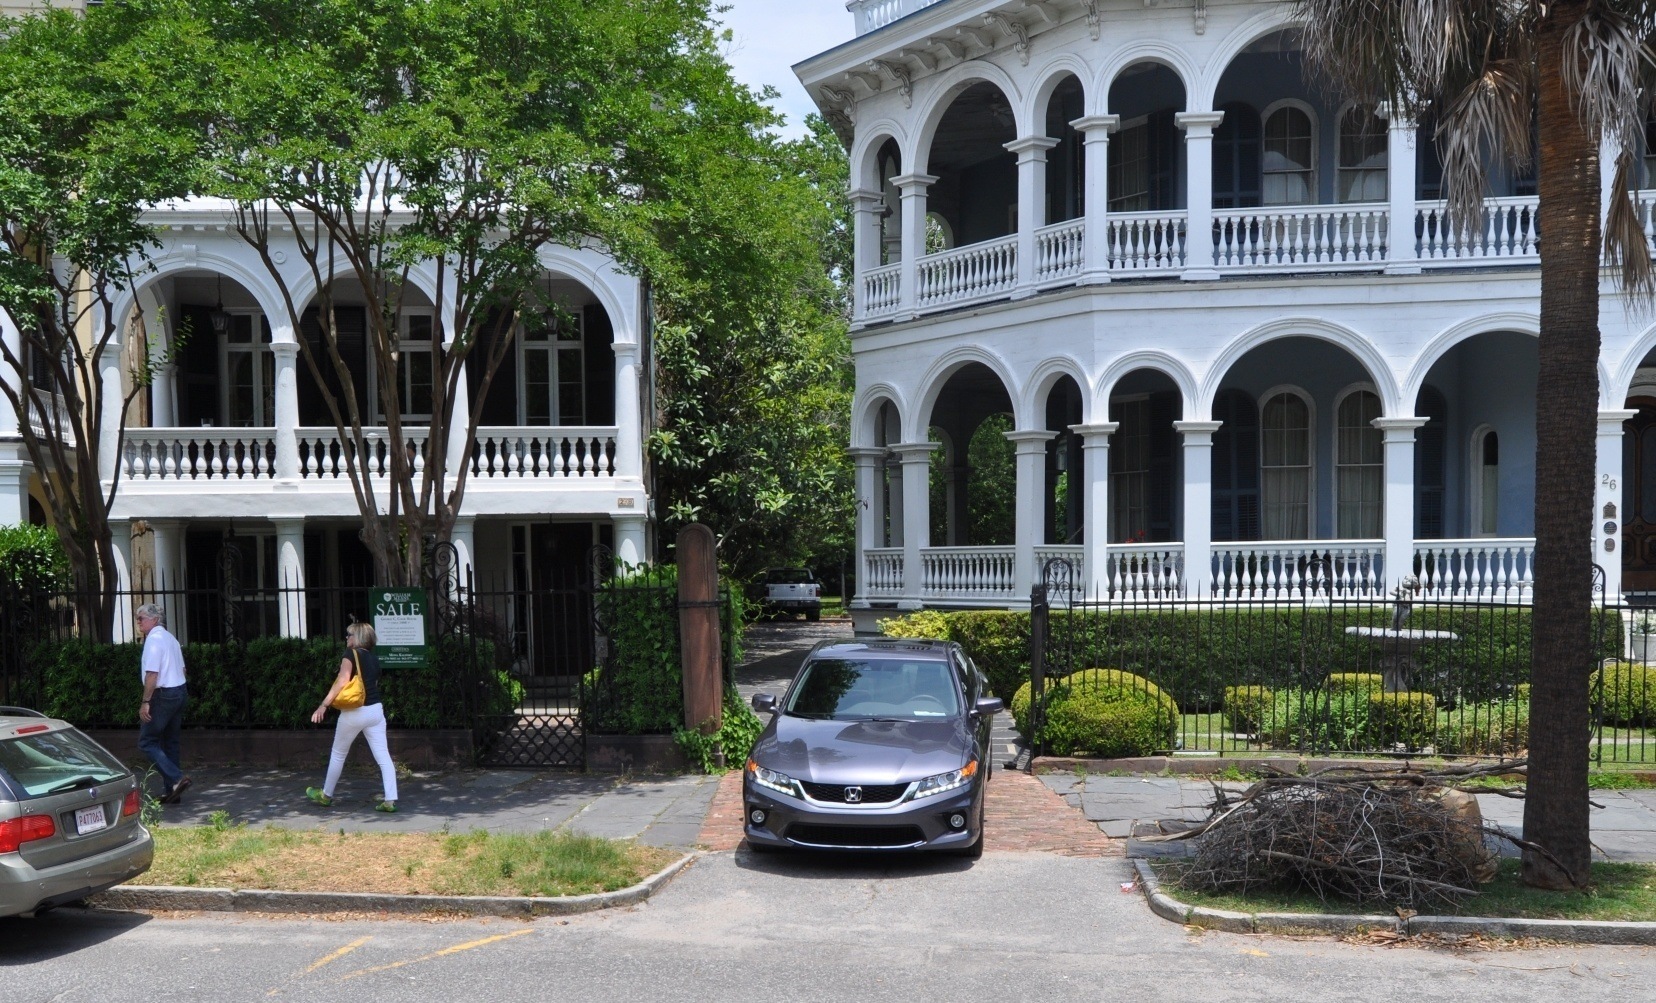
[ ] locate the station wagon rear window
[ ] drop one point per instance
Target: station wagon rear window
(886, 689)
(51, 762)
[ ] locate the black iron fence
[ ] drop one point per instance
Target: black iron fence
(1315, 675)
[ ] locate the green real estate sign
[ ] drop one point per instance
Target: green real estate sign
(400, 624)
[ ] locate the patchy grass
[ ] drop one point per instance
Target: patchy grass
(224, 855)
(1618, 892)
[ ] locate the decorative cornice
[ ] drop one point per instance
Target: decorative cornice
(898, 74)
(1020, 34)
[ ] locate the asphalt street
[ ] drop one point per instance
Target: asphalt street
(1013, 926)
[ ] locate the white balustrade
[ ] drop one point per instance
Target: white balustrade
(57, 424)
(544, 452)
(1505, 230)
(322, 456)
(1477, 569)
(198, 454)
(1141, 572)
(883, 571)
(1292, 569)
(1059, 250)
(882, 290)
(1300, 235)
(875, 14)
(1145, 242)
(963, 274)
(966, 572)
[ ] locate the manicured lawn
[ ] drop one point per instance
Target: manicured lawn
(224, 855)
(1618, 892)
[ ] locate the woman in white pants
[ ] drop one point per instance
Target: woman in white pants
(367, 720)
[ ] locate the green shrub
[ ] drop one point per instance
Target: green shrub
(1020, 709)
(1103, 712)
(739, 729)
(1355, 682)
(1628, 695)
(1316, 719)
(1407, 719)
(32, 559)
(1524, 692)
(1245, 707)
(1497, 728)
(927, 623)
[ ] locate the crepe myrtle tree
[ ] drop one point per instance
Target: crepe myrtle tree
(89, 138)
(376, 138)
(1577, 73)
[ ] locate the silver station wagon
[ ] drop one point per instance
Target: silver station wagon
(69, 815)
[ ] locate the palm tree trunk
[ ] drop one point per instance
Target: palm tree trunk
(1555, 813)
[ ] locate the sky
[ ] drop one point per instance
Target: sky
(772, 35)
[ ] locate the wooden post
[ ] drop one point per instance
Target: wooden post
(699, 646)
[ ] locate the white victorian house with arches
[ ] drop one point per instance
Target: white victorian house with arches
(233, 441)
(1215, 310)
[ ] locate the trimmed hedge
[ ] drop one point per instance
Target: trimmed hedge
(1629, 695)
(1102, 712)
(1245, 707)
(1497, 728)
(1406, 719)
(1194, 653)
(267, 683)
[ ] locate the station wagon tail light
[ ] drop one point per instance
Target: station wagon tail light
(14, 832)
(780, 782)
(944, 782)
(130, 805)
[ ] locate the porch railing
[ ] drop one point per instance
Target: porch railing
(1302, 235)
(199, 454)
(874, 14)
(977, 271)
(1291, 569)
(883, 572)
(1146, 242)
(1478, 569)
(1059, 250)
(967, 572)
(1505, 231)
(323, 456)
(882, 290)
(1137, 572)
(562, 451)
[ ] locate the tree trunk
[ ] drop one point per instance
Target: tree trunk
(1566, 405)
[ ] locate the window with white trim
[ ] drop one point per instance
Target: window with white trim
(1128, 175)
(1360, 468)
(416, 369)
(1288, 164)
(248, 372)
(1285, 466)
(1362, 160)
(552, 389)
(1486, 482)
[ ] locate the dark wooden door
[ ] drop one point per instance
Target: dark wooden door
(1639, 500)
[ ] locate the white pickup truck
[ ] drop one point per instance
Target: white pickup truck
(790, 591)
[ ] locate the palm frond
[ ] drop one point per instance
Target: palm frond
(1489, 117)
(1625, 243)
(1601, 69)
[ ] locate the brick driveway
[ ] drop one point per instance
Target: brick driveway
(1023, 816)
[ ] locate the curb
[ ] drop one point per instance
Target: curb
(1570, 931)
(170, 897)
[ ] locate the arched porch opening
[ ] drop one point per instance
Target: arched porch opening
(1066, 163)
(1146, 158)
(973, 478)
(1145, 482)
(975, 196)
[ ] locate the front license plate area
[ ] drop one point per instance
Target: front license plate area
(90, 819)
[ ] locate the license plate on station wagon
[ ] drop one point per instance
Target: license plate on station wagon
(90, 819)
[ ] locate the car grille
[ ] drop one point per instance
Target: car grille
(835, 793)
(856, 835)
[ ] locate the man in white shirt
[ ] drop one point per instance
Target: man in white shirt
(162, 712)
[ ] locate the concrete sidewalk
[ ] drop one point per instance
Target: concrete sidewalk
(659, 811)
(1623, 829)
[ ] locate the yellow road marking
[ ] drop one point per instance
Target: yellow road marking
(335, 956)
(457, 948)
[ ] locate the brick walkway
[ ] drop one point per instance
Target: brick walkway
(1023, 816)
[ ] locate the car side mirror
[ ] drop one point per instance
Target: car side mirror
(988, 706)
(764, 703)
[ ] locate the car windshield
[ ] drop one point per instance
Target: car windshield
(50, 762)
(878, 689)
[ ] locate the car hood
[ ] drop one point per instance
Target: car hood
(863, 752)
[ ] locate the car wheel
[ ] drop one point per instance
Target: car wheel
(812, 616)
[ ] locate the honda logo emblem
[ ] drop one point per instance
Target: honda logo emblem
(853, 795)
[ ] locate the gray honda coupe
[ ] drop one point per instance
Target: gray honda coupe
(877, 745)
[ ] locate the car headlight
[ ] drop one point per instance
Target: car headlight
(779, 782)
(946, 781)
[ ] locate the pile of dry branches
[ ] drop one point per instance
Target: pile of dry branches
(1408, 839)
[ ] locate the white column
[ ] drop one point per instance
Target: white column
(111, 385)
(629, 425)
(1095, 445)
(459, 423)
(1198, 506)
(166, 535)
(287, 414)
(15, 474)
(1032, 155)
(9, 376)
(290, 576)
(914, 188)
(163, 389)
(1031, 513)
(120, 538)
(916, 502)
(1400, 495)
(1400, 194)
(870, 508)
(865, 242)
(630, 541)
(1096, 198)
(464, 538)
(1198, 128)
(1607, 500)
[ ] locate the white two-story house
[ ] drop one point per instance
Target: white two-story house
(1215, 308)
